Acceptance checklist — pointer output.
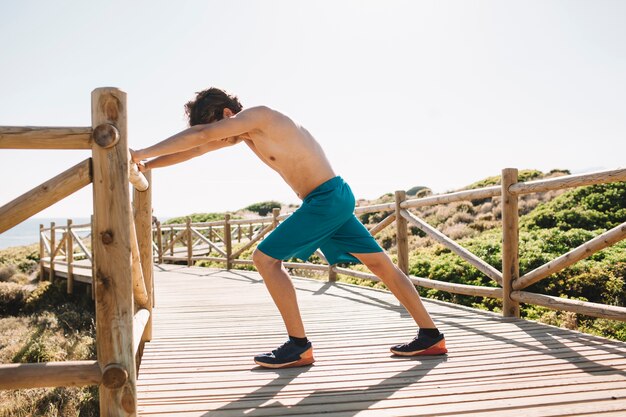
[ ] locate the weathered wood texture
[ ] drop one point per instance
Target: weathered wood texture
(31, 137)
(209, 323)
(402, 240)
(510, 243)
(143, 225)
(45, 195)
(568, 181)
(111, 251)
(49, 374)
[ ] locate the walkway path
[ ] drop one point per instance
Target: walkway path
(209, 323)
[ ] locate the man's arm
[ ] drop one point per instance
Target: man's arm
(175, 158)
(243, 122)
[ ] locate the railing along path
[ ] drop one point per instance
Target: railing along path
(120, 255)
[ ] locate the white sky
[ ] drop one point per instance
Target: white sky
(399, 93)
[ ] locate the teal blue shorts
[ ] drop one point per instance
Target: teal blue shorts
(325, 220)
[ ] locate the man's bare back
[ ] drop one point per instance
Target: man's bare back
(278, 141)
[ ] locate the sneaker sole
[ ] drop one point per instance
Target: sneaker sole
(305, 359)
(438, 348)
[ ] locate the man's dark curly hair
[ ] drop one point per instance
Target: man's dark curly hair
(209, 106)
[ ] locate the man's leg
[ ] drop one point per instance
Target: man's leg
(281, 289)
(399, 284)
(297, 351)
(428, 341)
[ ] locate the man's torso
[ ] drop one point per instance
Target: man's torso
(290, 150)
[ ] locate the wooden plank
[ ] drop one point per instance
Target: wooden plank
(45, 195)
(184, 369)
(40, 137)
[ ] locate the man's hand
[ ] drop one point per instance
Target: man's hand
(142, 167)
(135, 157)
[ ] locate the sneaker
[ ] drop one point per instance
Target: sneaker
(422, 345)
(287, 355)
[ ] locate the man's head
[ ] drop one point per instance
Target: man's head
(209, 106)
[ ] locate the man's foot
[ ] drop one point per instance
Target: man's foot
(288, 355)
(422, 345)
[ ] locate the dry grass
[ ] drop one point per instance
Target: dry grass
(40, 323)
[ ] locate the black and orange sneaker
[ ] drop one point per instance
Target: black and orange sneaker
(422, 345)
(288, 355)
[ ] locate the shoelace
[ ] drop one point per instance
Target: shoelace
(281, 348)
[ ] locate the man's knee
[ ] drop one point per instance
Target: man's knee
(262, 261)
(379, 264)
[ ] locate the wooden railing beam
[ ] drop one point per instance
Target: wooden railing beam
(44, 137)
(569, 181)
(49, 374)
(45, 195)
(583, 251)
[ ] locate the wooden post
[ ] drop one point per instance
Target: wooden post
(402, 239)
(159, 239)
(238, 233)
(227, 241)
(112, 259)
(143, 225)
(171, 238)
(92, 290)
(189, 243)
(42, 254)
(69, 257)
(510, 243)
(52, 249)
(250, 232)
(332, 273)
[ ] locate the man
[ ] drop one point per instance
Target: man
(325, 220)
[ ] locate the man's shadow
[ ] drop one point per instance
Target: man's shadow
(322, 400)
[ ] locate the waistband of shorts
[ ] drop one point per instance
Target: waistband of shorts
(329, 185)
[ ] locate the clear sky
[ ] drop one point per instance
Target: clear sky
(399, 93)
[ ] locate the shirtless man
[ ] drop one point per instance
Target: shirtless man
(325, 219)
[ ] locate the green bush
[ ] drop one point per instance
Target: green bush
(264, 207)
(196, 218)
(589, 208)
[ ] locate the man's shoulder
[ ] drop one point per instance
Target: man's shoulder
(260, 111)
(264, 116)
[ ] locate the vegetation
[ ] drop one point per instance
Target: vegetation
(263, 208)
(551, 225)
(196, 218)
(40, 322)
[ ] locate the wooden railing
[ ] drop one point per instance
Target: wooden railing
(510, 285)
(121, 251)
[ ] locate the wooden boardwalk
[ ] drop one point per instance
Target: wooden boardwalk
(209, 323)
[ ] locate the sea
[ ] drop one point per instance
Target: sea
(27, 232)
